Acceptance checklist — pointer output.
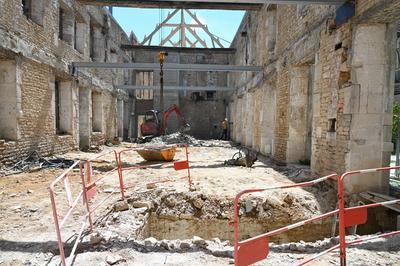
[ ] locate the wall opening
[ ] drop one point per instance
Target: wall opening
(34, 11)
(91, 46)
(210, 95)
(80, 35)
(84, 118)
(196, 96)
(144, 78)
(63, 107)
(97, 42)
(332, 125)
(66, 25)
(26, 8)
(8, 100)
(97, 112)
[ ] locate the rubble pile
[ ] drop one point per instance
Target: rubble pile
(175, 138)
(113, 233)
(180, 138)
(34, 162)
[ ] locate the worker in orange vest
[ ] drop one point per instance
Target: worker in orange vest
(224, 127)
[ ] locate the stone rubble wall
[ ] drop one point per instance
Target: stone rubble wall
(41, 58)
(325, 95)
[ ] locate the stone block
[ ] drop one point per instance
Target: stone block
(375, 103)
(366, 126)
(351, 99)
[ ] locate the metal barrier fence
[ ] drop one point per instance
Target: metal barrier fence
(88, 192)
(178, 165)
(256, 248)
(90, 186)
(356, 215)
(72, 203)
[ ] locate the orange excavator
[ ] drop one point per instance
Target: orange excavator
(153, 126)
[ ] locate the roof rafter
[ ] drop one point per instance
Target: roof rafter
(183, 28)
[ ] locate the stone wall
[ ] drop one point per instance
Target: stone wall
(38, 58)
(325, 95)
(204, 114)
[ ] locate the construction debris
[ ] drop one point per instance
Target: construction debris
(175, 138)
(171, 222)
(114, 259)
(34, 162)
(244, 157)
(180, 138)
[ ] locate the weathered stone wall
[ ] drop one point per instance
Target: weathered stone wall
(330, 88)
(42, 58)
(203, 114)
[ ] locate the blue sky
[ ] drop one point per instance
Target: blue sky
(143, 21)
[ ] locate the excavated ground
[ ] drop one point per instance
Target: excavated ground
(168, 224)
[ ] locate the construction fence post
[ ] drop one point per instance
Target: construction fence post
(85, 196)
(119, 170)
(188, 168)
(342, 228)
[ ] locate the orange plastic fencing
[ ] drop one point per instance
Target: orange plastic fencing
(72, 204)
(255, 249)
(177, 165)
(87, 194)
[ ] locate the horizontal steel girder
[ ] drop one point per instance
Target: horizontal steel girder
(129, 47)
(174, 88)
(206, 4)
(168, 66)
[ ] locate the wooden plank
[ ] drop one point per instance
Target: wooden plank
(378, 198)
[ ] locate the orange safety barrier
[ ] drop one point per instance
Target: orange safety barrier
(255, 249)
(72, 203)
(178, 165)
(349, 217)
(88, 193)
(356, 215)
(90, 181)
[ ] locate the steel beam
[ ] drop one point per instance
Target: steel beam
(168, 66)
(206, 4)
(170, 5)
(178, 49)
(174, 88)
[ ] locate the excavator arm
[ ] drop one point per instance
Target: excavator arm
(167, 113)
